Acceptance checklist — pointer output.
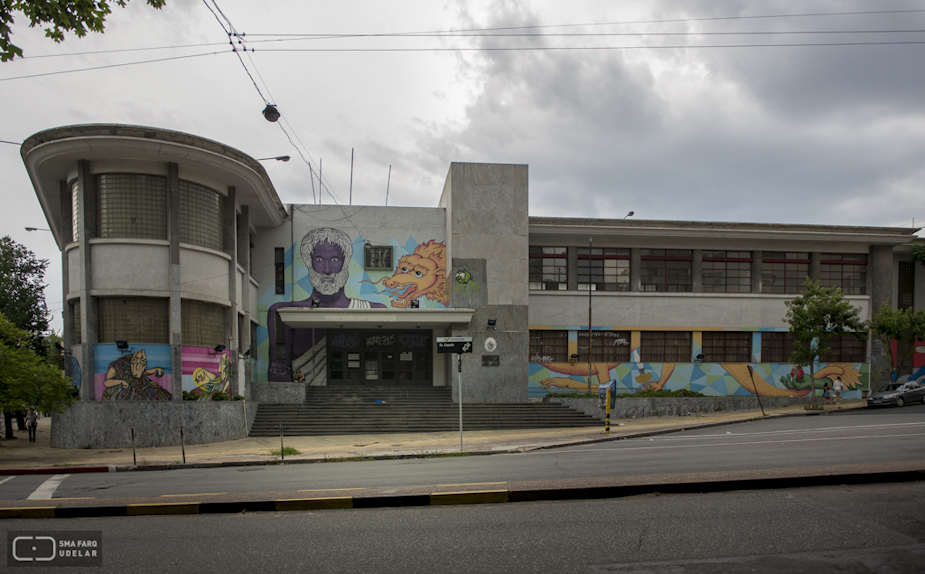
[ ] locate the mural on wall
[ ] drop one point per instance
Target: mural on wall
(465, 284)
(421, 274)
(129, 377)
(76, 377)
(333, 278)
(206, 372)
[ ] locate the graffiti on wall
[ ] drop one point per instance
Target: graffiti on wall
(206, 372)
(333, 278)
(466, 285)
(140, 375)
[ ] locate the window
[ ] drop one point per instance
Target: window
(548, 346)
(279, 266)
(727, 347)
(665, 346)
(727, 271)
(549, 268)
(604, 269)
(666, 270)
(846, 348)
(378, 258)
(75, 211)
(201, 216)
(777, 347)
(606, 346)
(906, 285)
(845, 270)
(202, 324)
(135, 319)
(132, 205)
(783, 272)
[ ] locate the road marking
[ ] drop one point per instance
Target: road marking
(472, 484)
(7, 479)
(47, 488)
(329, 489)
(198, 494)
(77, 498)
(788, 431)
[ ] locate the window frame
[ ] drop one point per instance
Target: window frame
(548, 343)
(725, 259)
(650, 352)
(587, 274)
(726, 346)
(606, 346)
(790, 284)
(832, 272)
(559, 270)
(666, 257)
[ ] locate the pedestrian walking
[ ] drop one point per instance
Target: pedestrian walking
(826, 393)
(838, 389)
(32, 423)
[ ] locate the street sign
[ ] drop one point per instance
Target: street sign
(454, 344)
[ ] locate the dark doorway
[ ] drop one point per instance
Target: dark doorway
(380, 358)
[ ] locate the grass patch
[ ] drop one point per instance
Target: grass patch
(678, 394)
(288, 451)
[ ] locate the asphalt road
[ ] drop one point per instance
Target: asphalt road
(867, 438)
(872, 528)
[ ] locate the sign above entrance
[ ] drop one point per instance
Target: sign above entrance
(454, 344)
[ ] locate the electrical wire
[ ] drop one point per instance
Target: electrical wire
(107, 66)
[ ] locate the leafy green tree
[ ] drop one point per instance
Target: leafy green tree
(26, 378)
(816, 316)
(22, 290)
(904, 325)
(78, 16)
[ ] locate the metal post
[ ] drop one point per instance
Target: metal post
(182, 444)
(751, 373)
(607, 416)
(282, 449)
(134, 458)
(459, 390)
(590, 333)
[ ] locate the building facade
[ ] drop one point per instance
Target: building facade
(185, 274)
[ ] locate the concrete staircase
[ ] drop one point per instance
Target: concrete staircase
(352, 410)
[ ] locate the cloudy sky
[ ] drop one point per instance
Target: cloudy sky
(791, 111)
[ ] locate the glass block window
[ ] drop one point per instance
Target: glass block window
(377, 258)
(845, 270)
(279, 269)
(727, 272)
(202, 324)
(777, 347)
(549, 268)
(548, 346)
(606, 346)
(75, 211)
(603, 269)
(132, 206)
(665, 346)
(666, 270)
(201, 214)
(77, 327)
(846, 348)
(727, 347)
(784, 272)
(906, 285)
(134, 319)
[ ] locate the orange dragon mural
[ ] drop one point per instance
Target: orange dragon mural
(420, 274)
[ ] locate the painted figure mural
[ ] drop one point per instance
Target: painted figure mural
(129, 378)
(208, 383)
(421, 274)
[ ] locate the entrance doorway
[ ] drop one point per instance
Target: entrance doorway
(380, 358)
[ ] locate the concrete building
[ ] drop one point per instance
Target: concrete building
(185, 274)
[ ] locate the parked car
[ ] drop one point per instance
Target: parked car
(897, 394)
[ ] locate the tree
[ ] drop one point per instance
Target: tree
(903, 325)
(26, 378)
(78, 16)
(22, 295)
(816, 316)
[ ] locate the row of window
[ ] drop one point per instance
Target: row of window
(146, 320)
(551, 346)
(671, 270)
(135, 206)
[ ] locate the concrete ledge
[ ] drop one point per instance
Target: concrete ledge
(278, 393)
(109, 424)
(668, 407)
(162, 508)
(483, 497)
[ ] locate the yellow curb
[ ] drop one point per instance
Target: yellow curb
(162, 508)
(28, 512)
(482, 497)
(330, 503)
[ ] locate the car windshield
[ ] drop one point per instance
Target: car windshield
(893, 387)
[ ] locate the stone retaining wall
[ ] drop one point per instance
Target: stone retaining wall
(108, 424)
(669, 407)
(288, 393)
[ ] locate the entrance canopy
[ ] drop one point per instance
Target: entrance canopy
(326, 318)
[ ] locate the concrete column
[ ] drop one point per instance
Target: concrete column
(697, 270)
(176, 319)
(230, 224)
(815, 265)
(244, 329)
(67, 312)
(757, 268)
(880, 269)
(635, 269)
(89, 308)
(572, 268)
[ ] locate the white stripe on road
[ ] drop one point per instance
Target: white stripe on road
(47, 489)
(6, 479)
(696, 436)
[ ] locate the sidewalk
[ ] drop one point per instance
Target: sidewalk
(19, 456)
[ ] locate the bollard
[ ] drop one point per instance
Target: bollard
(134, 458)
(607, 416)
(182, 445)
(282, 449)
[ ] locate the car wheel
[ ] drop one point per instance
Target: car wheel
(900, 402)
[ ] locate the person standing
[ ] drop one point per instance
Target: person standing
(32, 423)
(826, 393)
(837, 387)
